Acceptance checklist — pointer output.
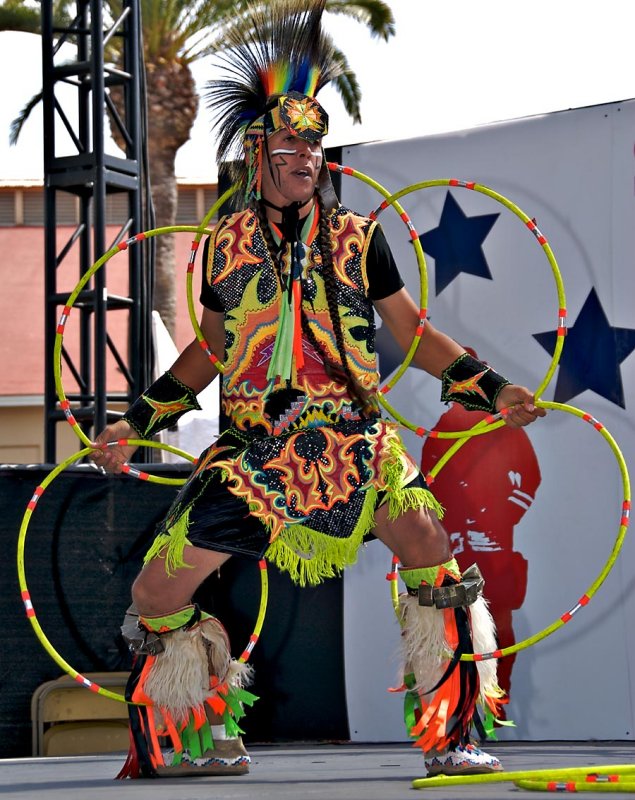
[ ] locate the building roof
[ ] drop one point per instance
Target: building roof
(22, 307)
(21, 183)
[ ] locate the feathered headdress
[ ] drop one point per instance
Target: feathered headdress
(276, 59)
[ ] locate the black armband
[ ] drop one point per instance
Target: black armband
(160, 406)
(472, 384)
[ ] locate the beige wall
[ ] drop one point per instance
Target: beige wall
(22, 436)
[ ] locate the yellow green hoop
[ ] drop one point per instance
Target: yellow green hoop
(26, 597)
(59, 338)
(423, 274)
(569, 779)
(65, 405)
(190, 274)
(607, 567)
(493, 421)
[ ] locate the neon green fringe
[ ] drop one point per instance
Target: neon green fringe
(310, 556)
(307, 555)
(400, 498)
(409, 498)
(174, 543)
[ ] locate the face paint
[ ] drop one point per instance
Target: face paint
(278, 162)
(315, 153)
(286, 158)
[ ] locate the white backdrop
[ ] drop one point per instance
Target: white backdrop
(574, 172)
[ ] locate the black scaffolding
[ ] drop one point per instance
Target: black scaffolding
(91, 175)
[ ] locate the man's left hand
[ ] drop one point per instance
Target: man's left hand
(521, 404)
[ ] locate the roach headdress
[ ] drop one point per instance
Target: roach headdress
(276, 58)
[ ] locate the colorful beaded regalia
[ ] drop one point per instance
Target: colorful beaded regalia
(307, 459)
(306, 455)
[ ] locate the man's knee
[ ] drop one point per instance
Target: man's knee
(142, 596)
(417, 538)
(152, 595)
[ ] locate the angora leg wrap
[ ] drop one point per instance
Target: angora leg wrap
(442, 691)
(424, 648)
(180, 677)
(191, 678)
(484, 641)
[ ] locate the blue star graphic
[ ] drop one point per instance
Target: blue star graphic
(592, 353)
(456, 245)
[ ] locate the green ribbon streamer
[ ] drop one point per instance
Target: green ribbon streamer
(206, 738)
(232, 728)
(490, 721)
(282, 358)
(411, 703)
(191, 740)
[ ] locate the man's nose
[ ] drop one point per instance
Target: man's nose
(304, 149)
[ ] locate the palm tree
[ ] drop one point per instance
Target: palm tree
(176, 34)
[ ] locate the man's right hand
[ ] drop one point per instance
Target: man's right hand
(113, 458)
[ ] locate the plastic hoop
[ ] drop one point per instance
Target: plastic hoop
(599, 580)
(59, 338)
(28, 603)
(569, 779)
(423, 273)
(494, 420)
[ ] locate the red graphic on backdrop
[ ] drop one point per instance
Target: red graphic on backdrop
(486, 488)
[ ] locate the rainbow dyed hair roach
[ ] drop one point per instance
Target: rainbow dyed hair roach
(276, 59)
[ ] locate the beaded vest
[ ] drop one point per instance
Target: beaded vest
(243, 274)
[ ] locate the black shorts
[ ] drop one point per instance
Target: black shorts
(218, 520)
(221, 521)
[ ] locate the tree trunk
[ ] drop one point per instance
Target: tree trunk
(165, 198)
(172, 107)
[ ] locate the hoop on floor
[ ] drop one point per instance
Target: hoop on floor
(609, 778)
(26, 596)
(599, 580)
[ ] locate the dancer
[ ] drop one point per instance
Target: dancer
(307, 466)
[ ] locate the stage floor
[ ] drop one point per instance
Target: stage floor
(299, 772)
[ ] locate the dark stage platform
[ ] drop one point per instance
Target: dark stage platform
(314, 772)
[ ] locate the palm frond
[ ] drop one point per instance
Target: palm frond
(348, 87)
(376, 15)
(15, 16)
(18, 123)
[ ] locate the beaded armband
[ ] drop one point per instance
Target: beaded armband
(472, 384)
(160, 406)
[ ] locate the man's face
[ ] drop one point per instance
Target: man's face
(293, 169)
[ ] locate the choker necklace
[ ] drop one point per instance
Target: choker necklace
(291, 223)
(296, 203)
